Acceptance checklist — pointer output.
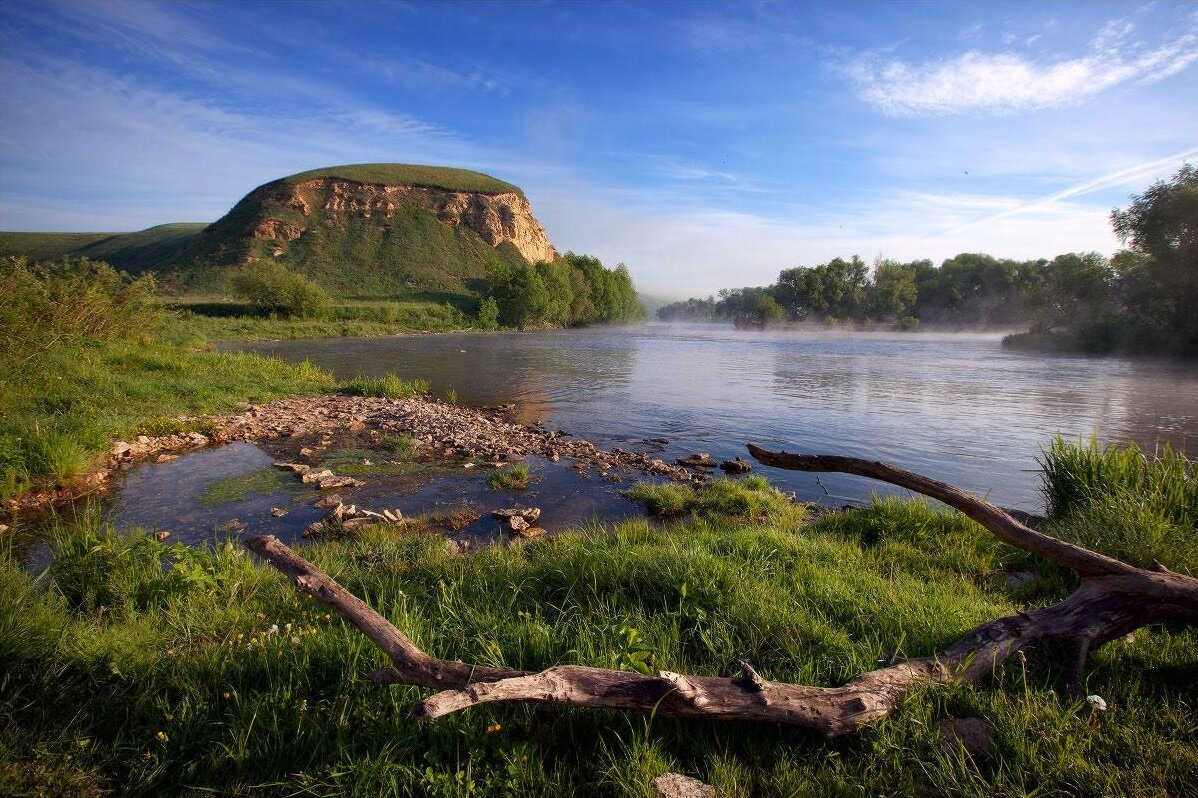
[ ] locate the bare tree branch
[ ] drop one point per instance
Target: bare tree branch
(1113, 599)
(1001, 524)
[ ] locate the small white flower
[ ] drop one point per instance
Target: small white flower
(1096, 702)
(295, 640)
(273, 629)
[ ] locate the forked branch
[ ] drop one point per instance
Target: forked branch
(1114, 599)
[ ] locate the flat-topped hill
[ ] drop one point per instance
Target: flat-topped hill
(371, 229)
(407, 174)
(357, 229)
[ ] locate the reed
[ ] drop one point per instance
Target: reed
(1123, 502)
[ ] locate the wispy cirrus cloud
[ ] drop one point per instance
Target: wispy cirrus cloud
(1007, 81)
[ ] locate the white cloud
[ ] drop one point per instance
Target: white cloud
(1007, 81)
(167, 153)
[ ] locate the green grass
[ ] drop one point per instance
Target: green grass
(64, 410)
(1123, 502)
(396, 174)
(388, 387)
(751, 496)
(178, 683)
(512, 477)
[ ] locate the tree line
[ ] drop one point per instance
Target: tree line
(1145, 297)
(570, 291)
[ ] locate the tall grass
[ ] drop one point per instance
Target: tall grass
(118, 674)
(1123, 502)
(79, 368)
(388, 386)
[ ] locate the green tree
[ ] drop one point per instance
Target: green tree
(488, 313)
(1077, 290)
(893, 292)
(1161, 227)
(272, 288)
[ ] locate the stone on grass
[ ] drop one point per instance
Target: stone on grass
(975, 735)
(675, 785)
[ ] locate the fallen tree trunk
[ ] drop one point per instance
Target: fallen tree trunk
(1114, 598)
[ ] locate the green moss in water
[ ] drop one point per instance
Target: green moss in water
(266, 482)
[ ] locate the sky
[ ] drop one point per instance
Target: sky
(706, 145)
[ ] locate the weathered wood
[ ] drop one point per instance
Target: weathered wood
(1113, 599)
(1000, 523)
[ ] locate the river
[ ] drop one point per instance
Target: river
(956, 407)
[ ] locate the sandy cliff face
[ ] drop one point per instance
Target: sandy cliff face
(495, 217)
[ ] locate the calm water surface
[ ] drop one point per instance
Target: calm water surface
(956, 407)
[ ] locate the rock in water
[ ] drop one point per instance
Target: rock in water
(736, 466)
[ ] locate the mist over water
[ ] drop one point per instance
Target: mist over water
(953, 406)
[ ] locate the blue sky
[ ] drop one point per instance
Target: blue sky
(704, 144)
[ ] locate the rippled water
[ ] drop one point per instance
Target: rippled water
(956, 407)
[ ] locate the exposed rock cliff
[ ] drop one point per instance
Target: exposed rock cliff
(380, 227)
(495, 217)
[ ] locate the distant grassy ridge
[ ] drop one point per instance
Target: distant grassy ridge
(48, 246)
(406, 174)
(136, 252)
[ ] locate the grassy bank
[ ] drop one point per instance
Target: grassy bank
(216, 676)
(203, 318)
(81, 364)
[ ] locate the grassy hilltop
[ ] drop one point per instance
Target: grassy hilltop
(351, 253)
(407, 174)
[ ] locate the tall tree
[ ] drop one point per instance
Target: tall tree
(1161, 226)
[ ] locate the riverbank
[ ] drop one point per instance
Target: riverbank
(439, 429)
(213, 675)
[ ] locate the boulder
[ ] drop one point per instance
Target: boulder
(736, 466)
(334, 481)
(315, 476)
(675, 785)
(298, 468)
(529, 514)
(698, 460)
(975, 735)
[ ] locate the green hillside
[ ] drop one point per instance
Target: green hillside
(48, 246)
(352, 253)
(145, 250)
(358, 251)
(406, 174)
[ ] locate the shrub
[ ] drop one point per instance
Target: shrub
(488, 314)
(52, 303)
(272, 288)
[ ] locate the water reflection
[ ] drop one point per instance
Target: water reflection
(956, 407)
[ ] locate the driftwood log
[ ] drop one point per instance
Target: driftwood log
(1114, 598)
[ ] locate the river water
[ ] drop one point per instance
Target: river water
(956, 407)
